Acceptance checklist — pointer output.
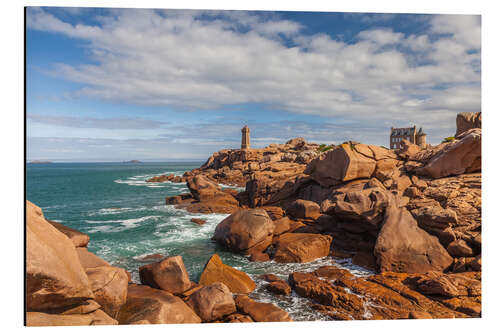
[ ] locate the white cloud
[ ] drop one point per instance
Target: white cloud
(181, 59)
(381, 36)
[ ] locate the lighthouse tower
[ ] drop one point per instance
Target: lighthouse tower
(245, 138)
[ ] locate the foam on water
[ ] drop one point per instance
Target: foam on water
(128, 222)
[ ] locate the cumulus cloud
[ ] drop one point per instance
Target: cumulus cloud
(205, 60)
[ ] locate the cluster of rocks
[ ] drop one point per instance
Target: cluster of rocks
(411, 215)
(167, 178)
(66, 285)
(404, 212)
(237, 167)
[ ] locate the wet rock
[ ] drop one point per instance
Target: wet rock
(259, 256)
(198, 221)
(333, 273)
(279, 287)
(161, 178)
(310, 286)
(261, 312)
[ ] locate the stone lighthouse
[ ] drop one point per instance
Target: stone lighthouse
(245, 138)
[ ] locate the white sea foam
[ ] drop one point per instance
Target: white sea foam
(140, 180)
(116, 210)
(123, 224)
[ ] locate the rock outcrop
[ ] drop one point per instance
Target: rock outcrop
(341, 296)
(261, 312)
(456, 158)
(54, 276)
(467, 121)
(348, 162)
(403, 247)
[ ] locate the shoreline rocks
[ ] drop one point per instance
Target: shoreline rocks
(54, 277)
(216, 271)
(168, 274)
(245, 230)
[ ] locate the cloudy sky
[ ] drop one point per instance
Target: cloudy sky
(120, 84)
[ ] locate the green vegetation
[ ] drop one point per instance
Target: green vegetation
(322, 147)
(448, 139)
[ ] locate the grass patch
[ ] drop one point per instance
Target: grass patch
(322, 147)
(448, 139)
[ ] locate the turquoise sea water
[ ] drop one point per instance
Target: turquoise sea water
(126, 219)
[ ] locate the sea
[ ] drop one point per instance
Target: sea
(127, 219)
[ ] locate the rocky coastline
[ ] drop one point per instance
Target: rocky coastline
(412, 216)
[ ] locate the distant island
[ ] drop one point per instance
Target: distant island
(39, 162)
(132, 161)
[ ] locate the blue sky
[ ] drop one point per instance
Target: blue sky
(120, 84)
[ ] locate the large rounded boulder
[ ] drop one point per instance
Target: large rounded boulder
(212, 302)
(245, 229)
(155, 306)
(170, 275)
(109, 285)
(54, 276)
(347, 162)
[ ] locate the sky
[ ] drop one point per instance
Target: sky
(164, 85)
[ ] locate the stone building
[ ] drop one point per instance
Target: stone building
(407, 133)
(245, 137)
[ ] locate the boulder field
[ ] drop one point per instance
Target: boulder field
(66, 285)
(410, 211)
(406, 210)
